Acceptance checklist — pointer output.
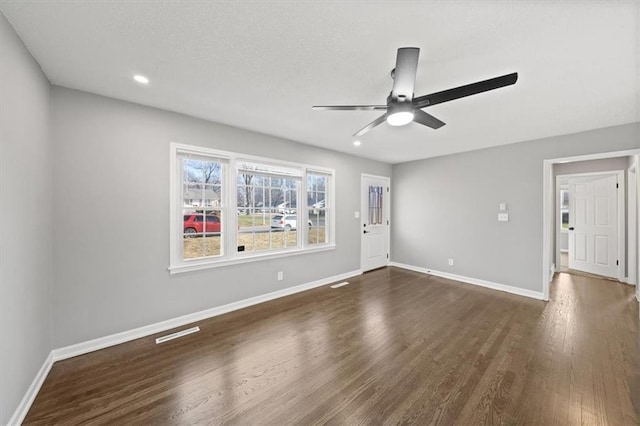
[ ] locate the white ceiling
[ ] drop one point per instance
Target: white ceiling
(262, 65)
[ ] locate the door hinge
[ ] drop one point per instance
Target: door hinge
(387, 189)
(617, 262)
(387, 223)
(387, 255)
(617, 185)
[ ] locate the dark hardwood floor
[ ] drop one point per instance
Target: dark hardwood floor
(392, 347)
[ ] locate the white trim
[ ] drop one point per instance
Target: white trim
(136, 333)
(552, 271)
(23, 408)
(558, 223)
(596, 156)
(547, 215)
(197, 266)
(367, 175)
(229, 155)
(475, 281)
(632, 225)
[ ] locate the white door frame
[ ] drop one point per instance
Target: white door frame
(620, 208)
(548, 204)
(558, 236)
(387, 212)
(632, 238)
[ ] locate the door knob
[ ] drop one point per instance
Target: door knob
(365, 232)
(571, 228)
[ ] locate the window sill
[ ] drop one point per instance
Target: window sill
(207, 264)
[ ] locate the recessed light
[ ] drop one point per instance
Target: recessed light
(356, 143)
(141, 79)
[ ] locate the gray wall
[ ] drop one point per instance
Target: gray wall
(446, 207)
(25, 220)
(111, 210)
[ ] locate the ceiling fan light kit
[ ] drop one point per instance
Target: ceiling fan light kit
(402, 108)
(400, 114)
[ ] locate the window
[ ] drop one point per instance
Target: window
(318, 210)
(229, 208)
(263, 191)
(564, 210)
(201, 207)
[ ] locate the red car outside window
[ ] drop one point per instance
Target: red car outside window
(198, 224)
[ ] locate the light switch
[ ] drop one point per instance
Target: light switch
(356, 215)
(503, 217)
(503, 207)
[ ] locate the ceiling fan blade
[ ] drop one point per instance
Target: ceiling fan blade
(371, 125)
(428, 120)
(467, 90)
(404, 75)
(351, 107)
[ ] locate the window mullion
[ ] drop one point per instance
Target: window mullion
(303, 206)
(231, 204)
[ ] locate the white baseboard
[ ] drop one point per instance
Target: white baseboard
(147, 330)
(23, 408)
(475, 281)
(552, 271)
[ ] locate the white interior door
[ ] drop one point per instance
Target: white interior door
(593, 224)
(374, 220)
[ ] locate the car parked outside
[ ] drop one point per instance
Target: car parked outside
(288, 221)
(199, 224)
(318, 208)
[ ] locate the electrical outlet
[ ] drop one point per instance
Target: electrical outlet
(450, 262)
(280, 276)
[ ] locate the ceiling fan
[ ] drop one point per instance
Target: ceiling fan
(403, 108)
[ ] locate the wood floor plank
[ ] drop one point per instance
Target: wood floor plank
(393, 347)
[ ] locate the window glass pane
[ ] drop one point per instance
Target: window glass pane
(317, 187)
(564, 208)
(201, 206)
(267, 208)
(564, 199)
(376, 202)
(565, 219)
(193, 247)
(202, 233)
(201, 183)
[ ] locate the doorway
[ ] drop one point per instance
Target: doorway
(375, 223)
(551, 255)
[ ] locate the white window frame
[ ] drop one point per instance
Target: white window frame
(230, 254)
